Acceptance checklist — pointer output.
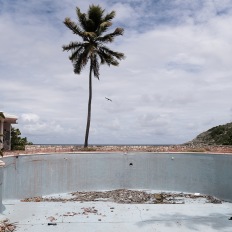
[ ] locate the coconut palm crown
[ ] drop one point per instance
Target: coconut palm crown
(91, 28)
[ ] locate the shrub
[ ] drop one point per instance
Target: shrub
(18, 143)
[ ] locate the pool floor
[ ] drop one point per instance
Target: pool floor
(114, 217)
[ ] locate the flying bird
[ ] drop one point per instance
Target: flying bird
(108, 99)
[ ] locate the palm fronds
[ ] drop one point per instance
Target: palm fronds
(74, 28)
(110, 37)
(90, 28)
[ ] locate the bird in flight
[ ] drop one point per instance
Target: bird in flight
(108, 99)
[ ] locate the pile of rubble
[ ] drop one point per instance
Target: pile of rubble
(125, 196)
(6, 226)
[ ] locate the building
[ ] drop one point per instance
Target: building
(5, 130)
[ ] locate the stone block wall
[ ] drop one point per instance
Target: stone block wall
(172, 148)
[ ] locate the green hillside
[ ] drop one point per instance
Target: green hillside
(218, 135)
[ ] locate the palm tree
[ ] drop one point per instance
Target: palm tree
(91, 28)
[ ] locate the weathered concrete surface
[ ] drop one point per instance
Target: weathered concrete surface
(36, 175)
(118, 217)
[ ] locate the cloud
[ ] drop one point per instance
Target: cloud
(124, 11)
(28, 118)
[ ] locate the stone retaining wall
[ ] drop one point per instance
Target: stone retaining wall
(173, 148)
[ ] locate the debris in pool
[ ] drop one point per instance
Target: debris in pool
(125, 196)
(230, 218)
(86, 211)
(68, 214)
(51, 219)
(197, 194)
(89, 210)
(213, 200)
(52, 224)
(7, 226)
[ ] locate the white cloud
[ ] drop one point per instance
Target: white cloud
(28, 118)
(124, 12)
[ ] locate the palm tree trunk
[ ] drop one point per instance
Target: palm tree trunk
(89, 107)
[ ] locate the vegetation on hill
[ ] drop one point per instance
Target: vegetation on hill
(218, 135)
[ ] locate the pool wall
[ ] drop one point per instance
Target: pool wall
(43, 174)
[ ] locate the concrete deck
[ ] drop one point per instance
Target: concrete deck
(113, 217)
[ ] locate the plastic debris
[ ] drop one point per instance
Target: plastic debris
(52, 224)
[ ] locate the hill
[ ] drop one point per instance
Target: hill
(218, 135)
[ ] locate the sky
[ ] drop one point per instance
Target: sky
(175, 82)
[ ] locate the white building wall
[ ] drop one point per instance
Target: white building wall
(5, 130)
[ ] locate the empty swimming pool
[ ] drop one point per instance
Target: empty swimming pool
(44, 174)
